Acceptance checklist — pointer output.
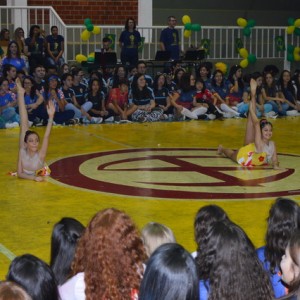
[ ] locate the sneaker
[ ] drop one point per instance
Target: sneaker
(270, 114)
(110, 119)
(164, 117)
(95, 120)
(117, 119)
(228, 115)
(243, 115)
(30, 124)
(12, 125)
(73, 121)
(211, 116)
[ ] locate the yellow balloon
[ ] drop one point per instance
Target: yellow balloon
(96, 30)
(221, 66)
(244, 63)
(80, 58)
(85, 35)
(186, 19)
(290, 29)
(297, 57)
(297, 23)
(242, 22)
(243, 52)
(187, 33)
(92, 54)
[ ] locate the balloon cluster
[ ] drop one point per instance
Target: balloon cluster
(189, 27)
(85, 35)
(293, 53)
(294, 26)
(247, 58)
(90, 28)
(247, 25)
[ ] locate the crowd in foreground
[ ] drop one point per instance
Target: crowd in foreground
(110, 259)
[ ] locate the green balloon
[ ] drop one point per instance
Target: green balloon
(90, 59)
(290, 49)
(251, 23)
(87, 21)
(290, 57)
(291, 21)
(90, 27)
(297, 31)
(196, 27)
(247, 31)
(251, 58)
(188, 26)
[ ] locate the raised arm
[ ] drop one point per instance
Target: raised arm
(252, 114)
(22, 111)
(45, 143)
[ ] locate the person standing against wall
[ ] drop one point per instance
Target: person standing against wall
(169, 39)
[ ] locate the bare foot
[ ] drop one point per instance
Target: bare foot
(220, 150)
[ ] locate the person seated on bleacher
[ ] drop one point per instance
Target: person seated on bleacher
(55, 47)
(120, 73)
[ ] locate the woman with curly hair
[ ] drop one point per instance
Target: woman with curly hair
(283, 220)
(228, 266)
(108, 262)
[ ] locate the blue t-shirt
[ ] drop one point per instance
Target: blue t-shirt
(143, 101)
(161, 96)
(170, 38)
(130, 40)
(278, 287)
(55, 43)
(187, 97)
(5, 99)
(18, 63)
(223, 90)
(37, 47)
(29, 100)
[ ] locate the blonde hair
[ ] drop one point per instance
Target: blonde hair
(156, 234)
(11, 291)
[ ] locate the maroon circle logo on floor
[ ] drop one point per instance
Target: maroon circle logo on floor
(176, 173)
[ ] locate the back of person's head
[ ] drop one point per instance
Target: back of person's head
(34, 276)
(228, 259)
(205, 218)
(11, 291)
(111, 255)
(64, 239)
(154, 235)
(283, 220)
(171, 274)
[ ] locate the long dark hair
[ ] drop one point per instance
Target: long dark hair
(64, 239)
(185, 83)
(232, 72)
(8, 55)
(35, 276)
(138, 94)
(228, 259)
(283, 220)
(213, 80)
(204, 220)
(171, 273)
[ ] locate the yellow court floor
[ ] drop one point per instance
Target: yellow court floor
(160, 172)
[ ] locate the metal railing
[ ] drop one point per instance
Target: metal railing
(222, 39)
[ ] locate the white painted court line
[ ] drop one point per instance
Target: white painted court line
(7, 252)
